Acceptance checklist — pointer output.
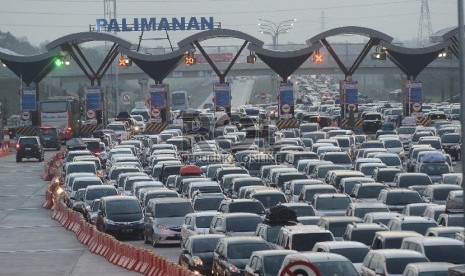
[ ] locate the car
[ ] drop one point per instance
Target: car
(242, 205)
(432, 268)
(362, 232)
(390, 261)
(385, 175)
(438, 193)
(337, 225)
(197, 253)
(92, 211)
(411, 223)
(397, 198)
(330, 204)
(391, 239)
(164, 218)
(452, 144)
(235, 224)
(29, 147)
(444, 231)
(49, 137)
(196, 224)
(367, 192)
(207, 201)
(405, 180)
(308, 191)
(325, 263)
(301, 237)
(437, 249)
(266, 262)
(359, 209)
(352, 250)
(94, 192)
(232, 254)
(454, 219)
(269, 197)
(120, 215)
(380, 217)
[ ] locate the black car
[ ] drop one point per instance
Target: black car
(29, 147)
(197, 253)
(371, 122)
(49, 137)
(452, 144)
(232, 254)
(120, 215)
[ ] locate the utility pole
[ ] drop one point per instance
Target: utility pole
(323, 21)
(425, 28)
(109, 12)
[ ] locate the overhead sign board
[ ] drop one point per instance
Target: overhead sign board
(350, 95)
(158, 94)
(28, 99)
(154, 24)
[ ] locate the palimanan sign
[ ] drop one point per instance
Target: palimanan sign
(152, 24)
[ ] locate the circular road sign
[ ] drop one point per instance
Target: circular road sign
(126, 97)
(90, 114)
(155, 112)
(416, 106)
(351, 106)
(25, 115)
(286, 108)
(300, 268)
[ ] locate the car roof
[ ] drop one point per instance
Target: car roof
(364, 225)
(342, 244)
(203, 213)
(169, 200)
(398, 233)
(305, 229)
(414, 219)
(317, 256)
(432, 241)
(237, 215)
(243, 239)
(430, 266)
(118, 198)
(398, 253)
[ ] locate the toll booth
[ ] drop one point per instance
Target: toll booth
(159, 111)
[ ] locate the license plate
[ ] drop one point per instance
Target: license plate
(127, 230)
(28, 148)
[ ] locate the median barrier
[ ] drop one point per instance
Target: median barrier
(119, 253)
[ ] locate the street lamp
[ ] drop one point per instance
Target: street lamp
(274, 29)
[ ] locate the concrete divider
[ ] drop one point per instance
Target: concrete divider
(119, 253)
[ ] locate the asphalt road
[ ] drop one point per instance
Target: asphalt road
(31, 243)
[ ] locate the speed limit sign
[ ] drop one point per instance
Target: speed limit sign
(302, 268)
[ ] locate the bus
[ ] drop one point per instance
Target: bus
(62, 113)
(179, 100)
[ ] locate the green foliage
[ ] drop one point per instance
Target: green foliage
(18, 45)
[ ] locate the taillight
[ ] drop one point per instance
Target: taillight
(17, 146)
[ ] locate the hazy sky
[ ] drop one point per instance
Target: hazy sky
(41, 20)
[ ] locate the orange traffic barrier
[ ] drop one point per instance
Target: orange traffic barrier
(5, 148)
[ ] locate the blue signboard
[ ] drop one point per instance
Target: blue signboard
(93, 98)
(415, 92)
(28, 99)
(222, 95)
(158, 95)
(350, 92)
(286, 94)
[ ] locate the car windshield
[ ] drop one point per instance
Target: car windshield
(406, 130)
(402, 198)
(386, 176)
(303, 211)
(363, 236)
(445, 253)
(242, 224)
(272, 264)
(397, 265)
(441, 194)
(79, 184)
(330, 203)
(204, 245)
(434, 169)
(98, 193)
(306, 241)
(244, 250)
(28, 141)
(250, 207)
(337, 158)
(272, 234)
(204, 204)
(170, 210)
(345, 268)
(355, 255)
(393, 144)
(391, 160)
(450, 138)
(270, 200)
(369, 192)
(410, 180)
(203, 221)
(116, 127)
(118, 207)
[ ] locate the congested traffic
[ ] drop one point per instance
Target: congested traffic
(241, 196)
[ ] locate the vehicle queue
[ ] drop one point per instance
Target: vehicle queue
(247, 198)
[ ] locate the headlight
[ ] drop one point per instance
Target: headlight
(141, 220)
(161, 226)
(59, 191)
(136, 128)
(197, 261)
